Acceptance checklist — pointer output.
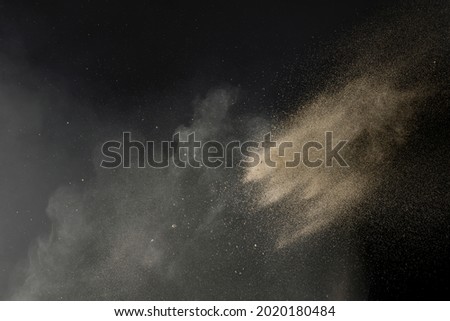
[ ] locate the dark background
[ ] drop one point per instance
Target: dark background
(133, 65)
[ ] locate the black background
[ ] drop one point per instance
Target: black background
(126, 59)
